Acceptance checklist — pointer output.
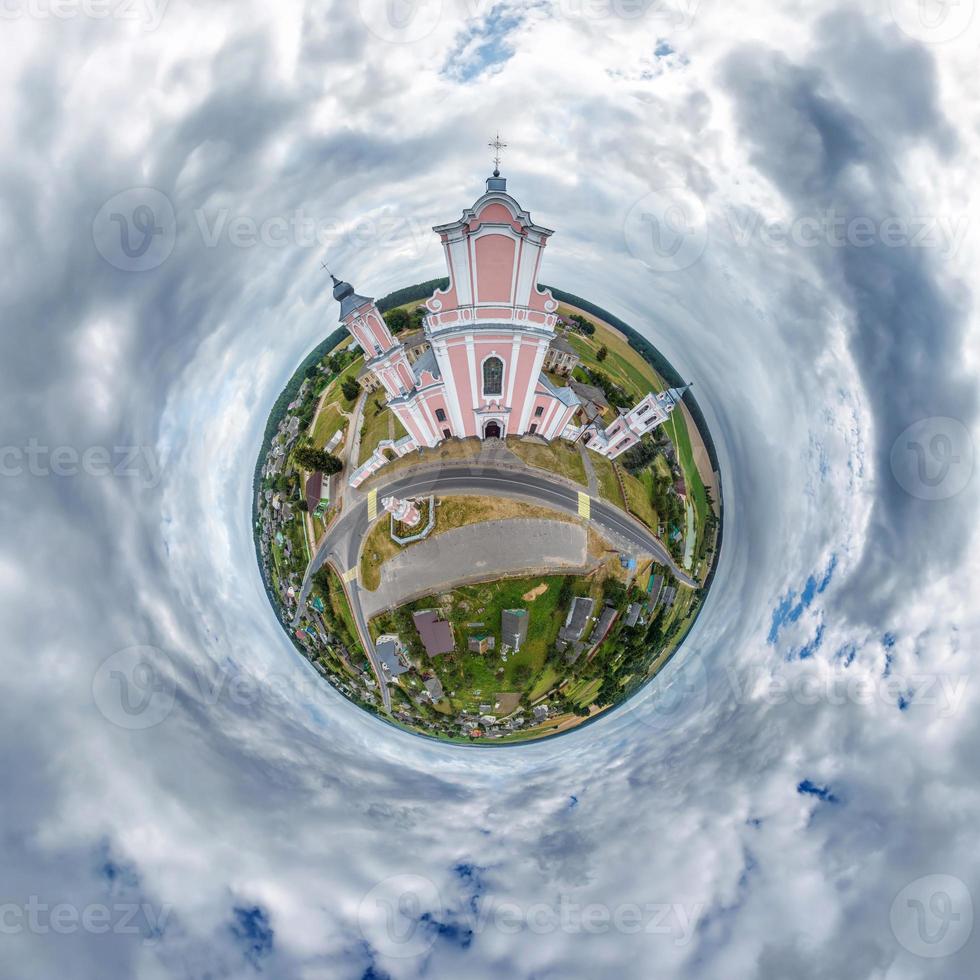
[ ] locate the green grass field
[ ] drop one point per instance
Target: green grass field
(627, 368)
(606, 475)
(559, 457)
(480, 678)
(327, 424)
(375, 426)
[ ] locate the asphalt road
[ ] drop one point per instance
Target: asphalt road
(342, 545)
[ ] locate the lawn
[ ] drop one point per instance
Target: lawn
(608, 484)
(329, 417)
(622, 363)
(327, 424)
(583, 692)
(676, 428)
(452, 449)
(337, 599)
(627, 368)
(559, 457)
(479, 678)
(639, 493)
(545, 682)
(375, 426)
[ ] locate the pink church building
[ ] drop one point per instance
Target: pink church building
(488, 333)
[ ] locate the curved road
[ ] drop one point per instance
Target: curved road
(341, 547)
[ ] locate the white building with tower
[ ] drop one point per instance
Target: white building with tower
(488, 333)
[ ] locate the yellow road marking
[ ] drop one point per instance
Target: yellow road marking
(584, 505)
(350, 575)
(372, 505)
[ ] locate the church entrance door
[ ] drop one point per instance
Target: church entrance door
(491, 430)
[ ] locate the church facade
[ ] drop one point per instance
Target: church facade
(488, 334)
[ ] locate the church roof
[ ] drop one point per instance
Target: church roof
(565, 395)
(559, 343)
(343, 293)
(426, 362)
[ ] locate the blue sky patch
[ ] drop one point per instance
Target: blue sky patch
(822, 793)
(789, 611)
(483, 47)
(254, 934)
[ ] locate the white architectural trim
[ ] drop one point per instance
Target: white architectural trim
(532, 385)
(471, 361)
(515, 355)
(450, 389)
(557, 420)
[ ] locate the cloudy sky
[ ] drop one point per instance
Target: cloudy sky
(781, 196)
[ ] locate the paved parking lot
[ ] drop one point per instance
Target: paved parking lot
(477, 551)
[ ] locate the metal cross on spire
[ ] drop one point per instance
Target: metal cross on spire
(497, 147)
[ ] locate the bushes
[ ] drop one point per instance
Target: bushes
(311, 458)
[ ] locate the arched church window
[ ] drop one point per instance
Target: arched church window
(440, 415)
(493, 376)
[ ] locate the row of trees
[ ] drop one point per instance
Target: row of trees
(580, 324)
(400, 320)
(615, 395)
(310, 458)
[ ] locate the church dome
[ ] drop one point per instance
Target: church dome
(341, 290)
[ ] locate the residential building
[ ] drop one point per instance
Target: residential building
(389, 650)
(436, 634)
(513, 627)
(481, 643)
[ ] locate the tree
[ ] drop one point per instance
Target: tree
(600, 354)
(351, 388)
(398, 320)
(311, 458)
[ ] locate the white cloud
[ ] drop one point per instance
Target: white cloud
(803, 362)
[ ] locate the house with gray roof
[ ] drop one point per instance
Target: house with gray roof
(389, 650)
(513, 627)
(434, 686)
(436, 634)
(606, 619)
(561, 357)
(577, 619)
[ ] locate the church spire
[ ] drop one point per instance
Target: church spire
(496, 182)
